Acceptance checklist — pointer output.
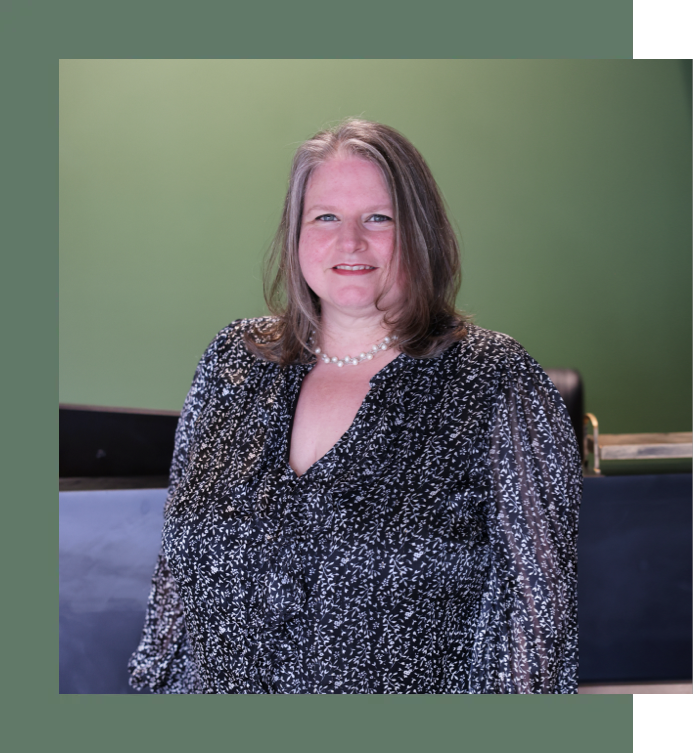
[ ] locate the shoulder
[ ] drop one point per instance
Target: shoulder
(489, 345)
(228, 356)
(229, 342)
(491, 351)
(509, 372)
(496, 362)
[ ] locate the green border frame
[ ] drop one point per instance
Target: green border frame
(35, 36)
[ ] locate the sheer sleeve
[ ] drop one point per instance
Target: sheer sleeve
(164, 660)
(526, 641)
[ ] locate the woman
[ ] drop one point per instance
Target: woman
(368, 494)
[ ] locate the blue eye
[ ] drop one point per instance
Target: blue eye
(380, 218)
(326, 218)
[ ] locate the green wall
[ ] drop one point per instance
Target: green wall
(570, 182)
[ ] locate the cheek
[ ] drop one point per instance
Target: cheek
(387, 249)
(308, 262)
(309, 247)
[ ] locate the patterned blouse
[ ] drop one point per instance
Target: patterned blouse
(431, 550)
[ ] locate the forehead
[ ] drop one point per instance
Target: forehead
(347, 178)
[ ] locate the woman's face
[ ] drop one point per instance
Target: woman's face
(347, 244)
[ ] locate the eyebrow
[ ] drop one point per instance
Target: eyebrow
(327, 208)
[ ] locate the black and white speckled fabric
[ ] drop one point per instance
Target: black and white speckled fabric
(431, 550)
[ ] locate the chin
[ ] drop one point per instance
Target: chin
(357, 307)
(352, 298)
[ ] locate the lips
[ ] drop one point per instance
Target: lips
(353, 269)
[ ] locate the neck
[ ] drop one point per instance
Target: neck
(340, 335)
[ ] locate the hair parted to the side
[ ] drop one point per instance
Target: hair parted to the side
(428, 322)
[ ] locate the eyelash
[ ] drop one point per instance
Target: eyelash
(385, 218)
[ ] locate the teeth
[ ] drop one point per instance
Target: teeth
(355, 268)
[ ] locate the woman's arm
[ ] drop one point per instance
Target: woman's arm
(527, 642)
(164, 660)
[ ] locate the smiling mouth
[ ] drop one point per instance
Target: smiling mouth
(354, 267)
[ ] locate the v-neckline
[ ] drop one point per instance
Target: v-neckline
(298, 377)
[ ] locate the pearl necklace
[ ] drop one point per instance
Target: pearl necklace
(388, 342)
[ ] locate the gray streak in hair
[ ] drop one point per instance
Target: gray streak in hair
(428, 251)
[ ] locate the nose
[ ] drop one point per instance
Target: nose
(352, 237)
